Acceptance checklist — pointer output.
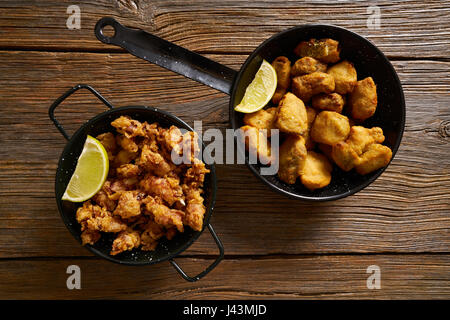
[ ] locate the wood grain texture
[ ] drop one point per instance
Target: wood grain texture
(408, 28)
(304, 277)
(405, 210)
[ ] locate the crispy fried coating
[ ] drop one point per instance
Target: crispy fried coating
(325, 50)
(376, 157)
(127, 144)
(292, 156)
(344, 155)
(195, 175)
(166, 217)
(195, 210)
(94, 217)
(330, 127)
(150, 236)
(153, 161)
(282, 66)
(311, 84)
(311, 115)
(291, 115)
(328, 101)
(262, 119)
(316, 172)
(161, 187)
(128, 127)
(109, 143)
(307, 65)
(363, 99)
(125, 240)
(124, 157)
(345, 77)
(129, 204)
(256, 143)
(171, 139)
(90, 236)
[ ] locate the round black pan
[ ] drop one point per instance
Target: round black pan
(166, 249)
(367, 58)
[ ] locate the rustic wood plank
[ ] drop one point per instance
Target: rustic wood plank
(408, 28)
(303, 277)
(405, 210)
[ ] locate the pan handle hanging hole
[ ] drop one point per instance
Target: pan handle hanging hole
(108, 31)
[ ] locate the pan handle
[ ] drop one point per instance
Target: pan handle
(207, 270)
(167, 55)
(51, 110)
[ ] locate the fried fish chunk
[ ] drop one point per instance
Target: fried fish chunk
(375, 157)
(363, 99)
(325, 50)
(255, 141)
(282, 66)
(125, 240)
(292, 155)
(345, 77)
(291, 115)
(328, 101)
(262, 119)
(330, 127)
(307, 65)
(311, 84)
(311, 115)
(316, 172)
(344, 156)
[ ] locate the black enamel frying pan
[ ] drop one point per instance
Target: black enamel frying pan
(367, 58)
(166, 250)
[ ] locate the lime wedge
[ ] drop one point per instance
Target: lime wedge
(90, 173)
(260, 90)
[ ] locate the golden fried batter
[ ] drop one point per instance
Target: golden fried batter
(325, 50)
(344, 74)
(109, 142)
(328, 101)
(90, 236)
(256, 143)
(316, 172)
(376, 157)
(292, 158)
(307, 65)
(311, 115)
(282, 66)
(128, 127)
(129, 205)
(330, 127)
(195, 210)
(126, 240)
(363, 99)
(291, 115)
(311, 84)
(262, 119)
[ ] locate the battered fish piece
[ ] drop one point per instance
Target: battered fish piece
(282, 66)
(129, 205)
(90, 237)
(344, 156)
(345, 77)
(316, 172)
(307, 65)
(330, 127)
(328, 101)
(292, 158)
(291, 115)
(376, 157)
(262, 119)
(126, 240)
(311, 115)
(363, 99)
(325, 50)
(256, 143)
(128, 127)
(311, 84)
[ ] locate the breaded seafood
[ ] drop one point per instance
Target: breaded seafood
(307, 65)
(255, 141)
(316, 172)
(325, 50)
(291, 115)
(292, 158)
(311, 84)
(363, 99)
(282, 66)
(330, 127)
(262, 119)
(328, 101)
(344, 74)
(376, 157)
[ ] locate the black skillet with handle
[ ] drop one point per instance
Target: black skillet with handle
(366, 57)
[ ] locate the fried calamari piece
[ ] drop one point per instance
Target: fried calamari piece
(109, 142)
(316, 172)
(363, 99)
(282, 66)
(311, 115)
(129, 204)
(103, 199)
(345, 77)
(330, 127)
(291, 115)
(262, 119)
(128, 170)
(325, 50)
(127, 144)
(166, 217)
(328, 101)
(171, 139)
(256, 143)
(376, 157)
(346, 154)
(150, 236)
(90, 236)
(292, 158)
(307, 65)
(195, 210)
(125, 240)
(195, 175)
(153, 161)
(124, 157)
(128, 127)
(161, 187)
(94, 217)
(311, 84)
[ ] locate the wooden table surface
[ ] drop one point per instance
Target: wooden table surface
(275, 247)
